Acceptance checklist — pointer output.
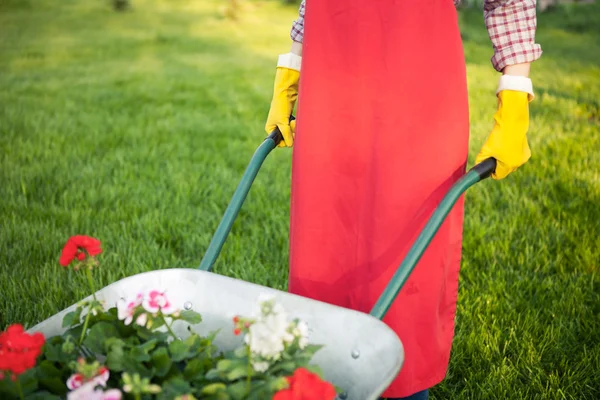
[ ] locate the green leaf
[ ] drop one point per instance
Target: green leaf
(173, 388)
(241, 352)
(156, 323)
(238, 372)
(161, 361)
(213, 374)
(51, 378)
(160, 337)
(115, 354)
(29, 382)
(277, 384)
(173, 373)
(100, 333)
(72, 318)
(7, 388)
(191, 317)
(42, 396)
(53, 350)
(74, 333)
(178, 350)
(238, 390)
(224, 365)
(311, 349)
(286, 366)
(214, 388)
(194, 370)
(142, 352)
(132, 366)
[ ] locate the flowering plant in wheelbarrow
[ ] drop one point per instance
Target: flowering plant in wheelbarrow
(129, 351)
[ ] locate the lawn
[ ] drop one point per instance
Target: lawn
(135, 128)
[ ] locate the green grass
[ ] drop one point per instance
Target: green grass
(135, 128)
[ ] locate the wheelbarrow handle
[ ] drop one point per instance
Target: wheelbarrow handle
(476, 174)
(239, 196)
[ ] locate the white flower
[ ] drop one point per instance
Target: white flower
(301, 332)
(271, 331)
(126, 308)
(142, 319)
(260, 366)
(263, 341)
(88, 391)
(277, 324)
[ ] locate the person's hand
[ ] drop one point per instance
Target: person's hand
(285, 93)
(507, 142)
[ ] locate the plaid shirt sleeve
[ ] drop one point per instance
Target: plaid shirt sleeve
(511, 25)
(297, 32)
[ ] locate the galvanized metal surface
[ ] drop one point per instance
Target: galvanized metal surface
(361, 354)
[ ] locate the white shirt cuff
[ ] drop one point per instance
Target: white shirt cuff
(290, 60)
(518, 83)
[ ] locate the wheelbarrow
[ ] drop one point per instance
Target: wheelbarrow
(351, 359)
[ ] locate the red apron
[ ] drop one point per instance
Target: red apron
(382, 134)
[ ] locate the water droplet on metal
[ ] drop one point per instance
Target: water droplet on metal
(343, 396)
(355, 353)
(187, 305)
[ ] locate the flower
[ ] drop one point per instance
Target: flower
(241, 324)
(85, 373)
(126, 310)
(264, 341)
(75, 381)
(270, 332)
(157, 301)
(19, 350)
(306, 385)
(75, 246)
(88, 391)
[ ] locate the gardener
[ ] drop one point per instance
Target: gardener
(382, 134)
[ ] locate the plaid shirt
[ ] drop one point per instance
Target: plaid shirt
(511, 26)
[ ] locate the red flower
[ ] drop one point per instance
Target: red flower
(305, 385)
(75, 246)
(19, 350)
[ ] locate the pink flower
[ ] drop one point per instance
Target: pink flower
(76, 381)
(112, 394)
(157, 301)
(126, 310)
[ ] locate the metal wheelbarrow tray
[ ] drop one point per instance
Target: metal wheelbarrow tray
(361, 354)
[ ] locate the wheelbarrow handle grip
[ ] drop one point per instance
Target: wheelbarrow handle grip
(478, 173)
(276, 135)
(486, 168)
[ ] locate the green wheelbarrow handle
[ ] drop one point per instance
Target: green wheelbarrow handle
(476, 174)
(218, 240)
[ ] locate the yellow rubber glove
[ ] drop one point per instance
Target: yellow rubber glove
(285, 93)
(507, 142)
